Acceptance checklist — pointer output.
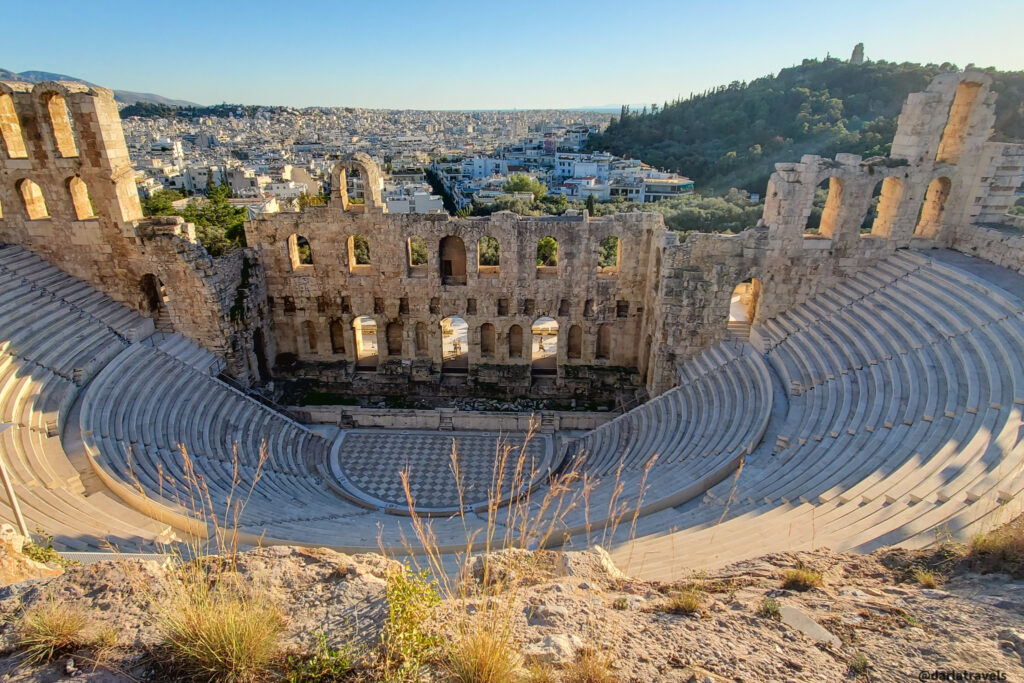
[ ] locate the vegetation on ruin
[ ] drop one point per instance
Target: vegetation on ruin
(490, 251)
(220, 227)
(999, 550)
(42, 550)
(733, 135)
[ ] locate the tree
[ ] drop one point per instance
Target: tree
(361, 250)
(160, 203)
(591, 204)
(547, 252)
(417, 251)
(608, 254)
(306, 200)
(520, 182)
(490, 251)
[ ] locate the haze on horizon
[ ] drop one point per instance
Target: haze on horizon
(399, 54)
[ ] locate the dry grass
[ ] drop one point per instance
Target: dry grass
(1000, 550)
(51, 629)
(590, 666)
(219, 631)
(801, 579)
(480, 656)
(925, 578)
(684, 602)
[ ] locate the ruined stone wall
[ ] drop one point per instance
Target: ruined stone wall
(313, 306)
(67, 192)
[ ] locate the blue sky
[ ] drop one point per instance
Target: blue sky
(482, 55)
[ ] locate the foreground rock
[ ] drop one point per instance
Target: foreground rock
(15, 566)
(861, 619)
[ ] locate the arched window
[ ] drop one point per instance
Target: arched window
(394, 335)
(604, 341)
(365, 329)
(35, 204)
(515, 342)
(10, 129)
(299, 251)
(422, 341)
(417, 256)
(955, 132)
(929, 222)
(544, 346)
(884, 208)
(454, 345)
(575, 342)
(80, 198)
(825, 207)
(309, 329)
(488, 257)
(358, 254)
(337, 336)
(547, 257)
(608, 256)
(60, 123)
(487, 340)
(453, 260)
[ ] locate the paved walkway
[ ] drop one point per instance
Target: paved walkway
(372, 460)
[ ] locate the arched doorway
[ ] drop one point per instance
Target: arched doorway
(929, 222)
(746, 297)
(453, 261)
(154, 298)
(454, 345)
(544, 346)
(259, 348)
(365, 329)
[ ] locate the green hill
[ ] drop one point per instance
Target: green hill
(733, 135)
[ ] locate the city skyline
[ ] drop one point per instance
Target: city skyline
(463, 56)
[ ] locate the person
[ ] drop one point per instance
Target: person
(540, 344)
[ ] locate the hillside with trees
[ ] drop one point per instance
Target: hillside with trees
(732, 136)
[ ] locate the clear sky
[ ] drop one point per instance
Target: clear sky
(457, 54)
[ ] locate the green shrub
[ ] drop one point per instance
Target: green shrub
(407, 640)
(324, 663)
(769, 609)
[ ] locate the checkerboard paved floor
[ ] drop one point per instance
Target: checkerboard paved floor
(372, 461)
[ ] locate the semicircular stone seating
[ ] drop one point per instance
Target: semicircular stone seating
(906, 389)
(880, 411)
(57, 333)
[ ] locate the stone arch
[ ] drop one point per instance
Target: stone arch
(154, 295)
(743, 306)
(488, 257)
(309, 331)
(32, 196)
(364, 329)
(80, 198)
(452, 252)
(547, 257)
(10, 128)
(544, 346)
(60, 124)
(422, 340)
(358, 254)
(604, 341)
(418, 256)
(394, 338)
(362, 165)
(823, 220)
(951, 146)
(929, 222)
(454, 345)
(515, 342)
(885, 213)
(337, 329)
(487, 340)
(575, 351)
(609, 256)
(300, 253)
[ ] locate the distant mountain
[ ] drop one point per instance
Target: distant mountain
(123, 96)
